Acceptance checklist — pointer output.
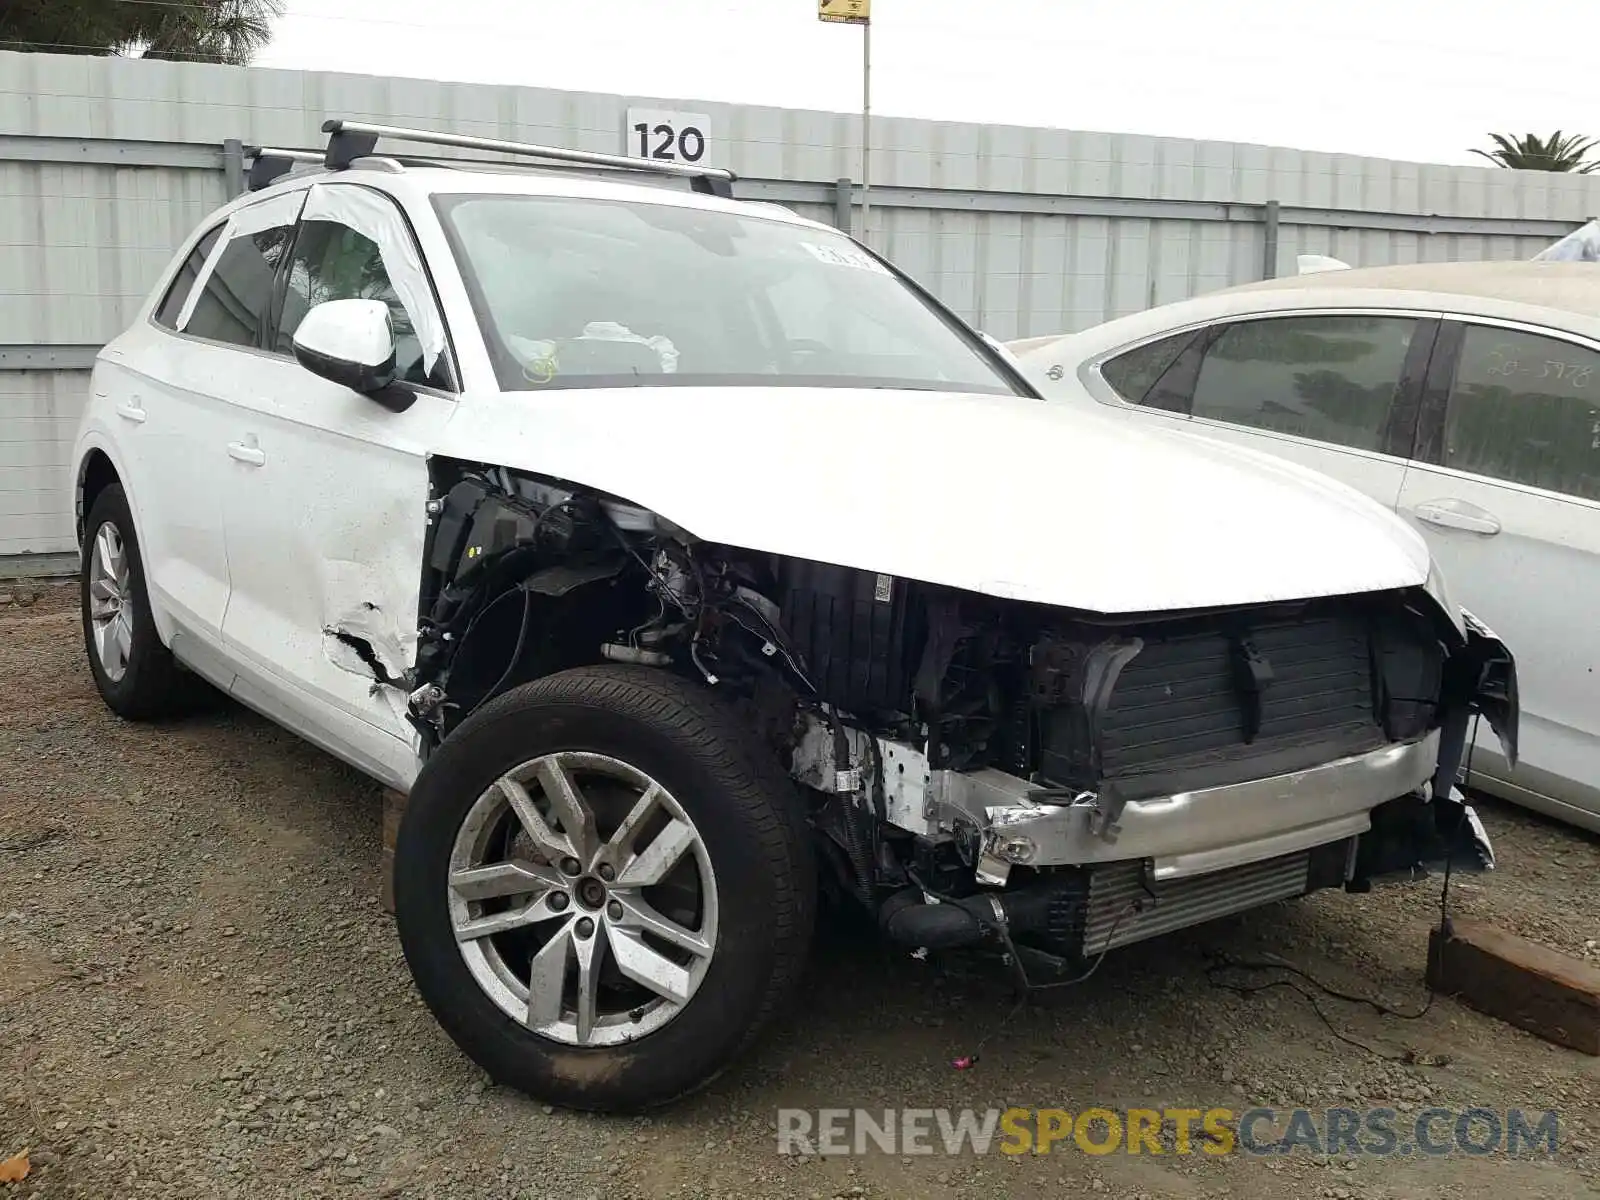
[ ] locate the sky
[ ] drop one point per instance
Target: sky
(1410, 79)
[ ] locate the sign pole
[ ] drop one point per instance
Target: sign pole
(859, 12)
(866, 131)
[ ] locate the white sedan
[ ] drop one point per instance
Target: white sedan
(1465, 396)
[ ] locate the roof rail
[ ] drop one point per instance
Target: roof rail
(350, 140)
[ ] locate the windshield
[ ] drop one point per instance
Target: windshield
(603, 293)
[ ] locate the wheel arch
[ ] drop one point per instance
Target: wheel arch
(99, 465)
(96, 472)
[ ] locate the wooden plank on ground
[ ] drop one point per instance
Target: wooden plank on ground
(1521, 982)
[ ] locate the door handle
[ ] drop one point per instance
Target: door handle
(1458, 514)
(248, 452)
(130, 410)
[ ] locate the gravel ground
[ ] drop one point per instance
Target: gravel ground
(199, 996)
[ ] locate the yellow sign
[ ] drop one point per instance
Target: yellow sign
(849, 12)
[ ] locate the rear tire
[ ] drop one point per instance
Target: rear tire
(134, 672)
(495, 837)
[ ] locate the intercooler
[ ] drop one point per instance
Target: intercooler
(1122, 908)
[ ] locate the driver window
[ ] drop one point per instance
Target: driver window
(332, 261)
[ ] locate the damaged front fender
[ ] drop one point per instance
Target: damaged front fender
(1480, 677)
(1490, 673)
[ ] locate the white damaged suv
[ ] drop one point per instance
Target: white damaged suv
(680, 558)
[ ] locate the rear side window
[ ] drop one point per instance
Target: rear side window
(1526, 408)
(1330, 378)
(234, 303)
(1134, 373)
(172, 303)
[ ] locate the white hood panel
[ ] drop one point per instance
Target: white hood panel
(1007, 496)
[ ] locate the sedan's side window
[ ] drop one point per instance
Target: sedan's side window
(334, 259)
(232, 307)
(1133, 374)
(172, 303)
(1330, 378)
(1526, 408)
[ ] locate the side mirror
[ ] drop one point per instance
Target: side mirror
(350, 342)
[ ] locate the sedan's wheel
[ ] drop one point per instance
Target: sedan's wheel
(134, 673)
(604, 889)
(110, 613)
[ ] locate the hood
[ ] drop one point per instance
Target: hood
(1009, 496)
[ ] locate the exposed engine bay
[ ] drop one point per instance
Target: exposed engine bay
(981, 770)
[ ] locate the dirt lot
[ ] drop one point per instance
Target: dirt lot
(199, 996)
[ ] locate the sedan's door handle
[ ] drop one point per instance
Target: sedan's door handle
(248, 452)
(130, 410)
(1458, 514)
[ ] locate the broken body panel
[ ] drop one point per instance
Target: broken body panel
(1014, 758)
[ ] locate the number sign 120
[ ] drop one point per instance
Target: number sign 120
(667, 136)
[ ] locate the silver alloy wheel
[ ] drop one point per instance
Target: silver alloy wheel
(557, 881)
(110, 602)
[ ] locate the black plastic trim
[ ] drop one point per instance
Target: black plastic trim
(344, 147)
(1428, 444)
(709, 186)
(1173, 392)
(1400, 428)
(266, 170)
(373, 382)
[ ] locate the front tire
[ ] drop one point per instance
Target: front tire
(134, 672)
(604, 888)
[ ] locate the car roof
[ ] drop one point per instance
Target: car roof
(1570, 286)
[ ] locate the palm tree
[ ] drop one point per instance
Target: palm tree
(225, 31)
(1533, 153)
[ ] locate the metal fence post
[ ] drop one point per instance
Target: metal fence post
(1269, 249)
(233, 166)
(843, 200)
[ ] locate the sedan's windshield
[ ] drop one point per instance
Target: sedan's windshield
(591, 293)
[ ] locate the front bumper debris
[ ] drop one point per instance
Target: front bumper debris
(1102, 872)
(1489, 673)
(1005, 821)
(1411, 838)
(1480, 677)
(1398, 809)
